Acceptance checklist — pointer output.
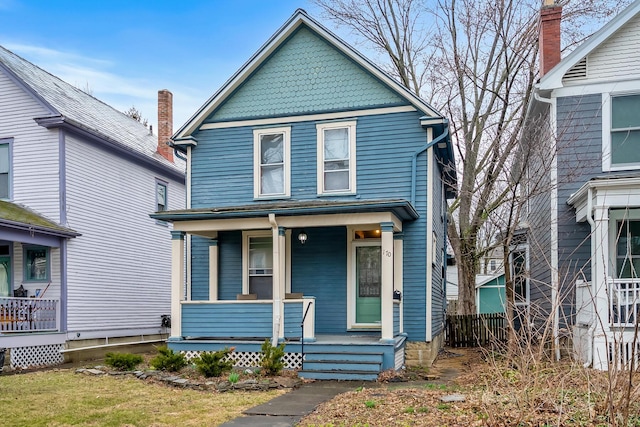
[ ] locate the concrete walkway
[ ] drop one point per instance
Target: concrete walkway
(288, 409)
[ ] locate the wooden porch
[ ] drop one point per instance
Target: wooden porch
(24, 315)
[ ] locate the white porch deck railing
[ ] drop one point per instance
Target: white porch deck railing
(29, 315)
(624, 302)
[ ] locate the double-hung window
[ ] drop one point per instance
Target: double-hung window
(161, 196)
(5, 168)
(336, 157)
(625, 130)
(258, 261)
(271, 162)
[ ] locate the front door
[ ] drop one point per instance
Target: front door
(368, 282)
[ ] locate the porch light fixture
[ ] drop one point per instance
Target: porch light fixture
(302, 236)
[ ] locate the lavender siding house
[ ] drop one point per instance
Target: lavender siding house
(81, 263)
(583, 251)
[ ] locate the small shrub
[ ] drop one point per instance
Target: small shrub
(213, 363)
(409, 410)
(167, 360)
(370, 404)
(423, 410)
(443, 406)
(123, 361)
(234, 377)
(271, 360)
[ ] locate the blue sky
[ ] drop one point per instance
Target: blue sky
(124, 51)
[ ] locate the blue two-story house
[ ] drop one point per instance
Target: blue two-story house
(317, 189)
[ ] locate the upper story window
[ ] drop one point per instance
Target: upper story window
(36, 264)
(337, 157)
(271, 162)
(161, 196)
(5, 169)
(625, 131)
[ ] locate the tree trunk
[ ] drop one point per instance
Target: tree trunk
(467, 279)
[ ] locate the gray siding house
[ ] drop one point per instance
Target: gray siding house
(81, 263)
(583, 251)
(317, 188)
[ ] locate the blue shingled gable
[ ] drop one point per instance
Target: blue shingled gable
(305, 75)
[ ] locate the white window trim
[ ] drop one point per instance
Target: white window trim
(320, 128)
(615, 215)
(246, 235)
(607, 105)
(286, 131)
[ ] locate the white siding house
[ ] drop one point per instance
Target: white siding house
(81, 262)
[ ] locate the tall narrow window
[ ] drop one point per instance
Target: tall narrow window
(336, 157)
(4, 170)
(161, 196)
(628, 249)
(261, 266)
(520, 276)
(625, 129)
(271, 162)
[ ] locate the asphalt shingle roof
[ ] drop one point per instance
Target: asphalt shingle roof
(84, 110)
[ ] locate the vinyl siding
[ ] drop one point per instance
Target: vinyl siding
(35, 175)
(119, 269)
(438, 298)
(319, 269)
(384, 147)
(229, 266)
(617, 58)
(579, 159)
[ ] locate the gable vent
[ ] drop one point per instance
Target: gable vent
(578, 71)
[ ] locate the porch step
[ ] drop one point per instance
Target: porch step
(338, 375)
(345, 364)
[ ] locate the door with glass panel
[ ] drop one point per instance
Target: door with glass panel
(368, 282)
(261, 267)
(5, 276)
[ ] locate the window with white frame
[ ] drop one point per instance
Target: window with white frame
(625, 130)
(271, 162)
(336, 157)
(627, 248)
(161, 196)
(258, 261)
(5, 168)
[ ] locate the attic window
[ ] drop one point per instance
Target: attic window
(578, 71)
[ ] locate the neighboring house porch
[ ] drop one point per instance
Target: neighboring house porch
(608, 307)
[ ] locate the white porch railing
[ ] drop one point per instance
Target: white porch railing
(624, 302)
(28, 315)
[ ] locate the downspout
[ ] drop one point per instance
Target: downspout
(275, 281)
(592, 326)
(414, 158)
(553, 178)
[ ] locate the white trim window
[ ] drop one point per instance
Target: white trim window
(257, 261)
(621, 132)
(337, 158)
(519, 260)
(5, 169)
(271, 162)
(161, 196)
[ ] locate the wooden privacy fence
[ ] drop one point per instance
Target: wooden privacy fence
(475, 330)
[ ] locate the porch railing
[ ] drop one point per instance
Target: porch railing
(28, 315)
(624, 302)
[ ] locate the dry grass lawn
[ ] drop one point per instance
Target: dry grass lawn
(64, 398)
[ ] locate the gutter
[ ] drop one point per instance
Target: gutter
(553, 178)
(414, 158)
(594, 274)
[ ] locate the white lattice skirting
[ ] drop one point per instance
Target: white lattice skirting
(251, 359)
(39, 355)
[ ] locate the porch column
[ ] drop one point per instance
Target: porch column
(398, 242)
(177, 283)
(599, 285)
(386, 291)
(282, 242)
(213, 270)
(278, 236)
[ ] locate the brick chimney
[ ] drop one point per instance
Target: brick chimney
(165, 123)
(549, 38)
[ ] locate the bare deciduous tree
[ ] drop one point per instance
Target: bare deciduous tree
(476, 61)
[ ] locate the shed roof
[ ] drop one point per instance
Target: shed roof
(20, 217)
